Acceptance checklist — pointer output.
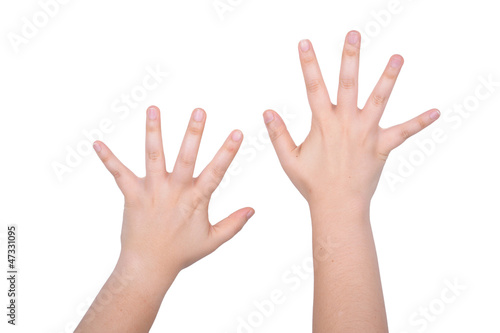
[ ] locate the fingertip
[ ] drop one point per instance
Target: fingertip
(153, 112)
(396, 61)
(236, 135)
(399, 56)
(434, 114)
(353, 37)
(199, 114)
(268, 116)
(250, 213)
(305, 45)
(97, 146)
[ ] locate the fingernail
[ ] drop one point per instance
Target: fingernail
(152, 113)
(198, 115)
(236, 136)
(97, 147)
(305, 45)
(250, 214)
(353, 37)
(435, 114)
(395, 62)
(268, 117)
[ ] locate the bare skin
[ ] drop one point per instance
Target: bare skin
(165, 226)
(337, 169)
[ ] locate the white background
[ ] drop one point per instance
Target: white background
(437, 222)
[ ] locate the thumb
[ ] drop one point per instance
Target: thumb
(279, 135)
(230, 226)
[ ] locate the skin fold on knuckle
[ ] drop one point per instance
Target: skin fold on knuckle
(206, 189)
(152, 127)
(185, 162)
(347, 83)
(231, 147)
(105, 157)
(194, 130)
(405, 134)
(313, 86)
(216, 173)
(308, 60)
(351, 51)
(276, 132)
(390, 75)
(154, 156)
(116, 173)
(378, 100)
(421, 123)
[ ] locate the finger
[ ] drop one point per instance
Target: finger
(280, 137)
(317, 94)
(184, 166)
(213, 173)
(378, 99)
(123, 176)
(396, 135)
(230, 226)
(347, 97)
(155, 158)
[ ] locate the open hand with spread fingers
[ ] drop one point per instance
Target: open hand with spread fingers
(337, 169)
(346, 148)
(165, 223)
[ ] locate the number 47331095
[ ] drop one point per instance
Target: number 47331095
(11, 246)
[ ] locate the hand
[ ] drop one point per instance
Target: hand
(346, 149)
(165, 222)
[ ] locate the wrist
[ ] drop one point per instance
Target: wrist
(334, 213)
(152, 278)
(340, 203)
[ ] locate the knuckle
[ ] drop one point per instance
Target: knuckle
(378, 100)
(216, 173)
(276, 133)
(421, 123)
(405, 134)
(106, 158)
(152, 128)
(194, 130)
(308, 60)
(154, 156)
(230, 148)
(383, 156)
(351, 51)
(116, 174)
(390, 75)
(313, 86)
(185, 162)
(204, 190)
(347, 83)
(198, 196)
(210, 188)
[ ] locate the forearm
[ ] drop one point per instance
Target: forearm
(128, 301)
(347, 289)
